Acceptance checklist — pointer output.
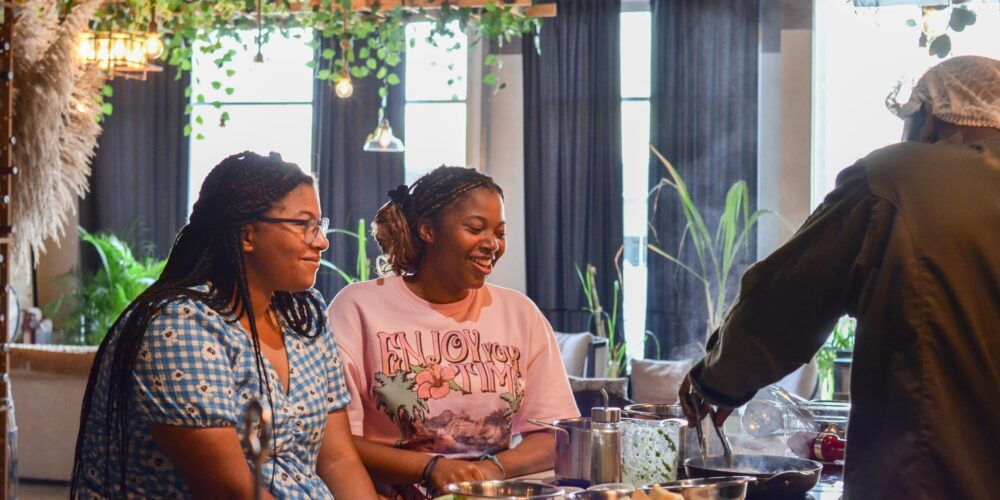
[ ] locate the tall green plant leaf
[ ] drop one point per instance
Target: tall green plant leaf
(716, 251)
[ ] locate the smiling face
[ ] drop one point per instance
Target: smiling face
(465, 242)
(276, 255)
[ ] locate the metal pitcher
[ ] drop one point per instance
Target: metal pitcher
(573, 449)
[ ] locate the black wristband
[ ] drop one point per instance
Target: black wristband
(425, 476)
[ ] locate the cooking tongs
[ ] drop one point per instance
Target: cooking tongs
(695, 402)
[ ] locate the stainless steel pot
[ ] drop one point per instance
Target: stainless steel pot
(574, 438)
(506, 490)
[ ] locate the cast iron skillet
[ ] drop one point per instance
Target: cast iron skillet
(776, 477)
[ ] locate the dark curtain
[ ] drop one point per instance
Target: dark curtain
(704, 120)
(352, 182)
(139, 179)
(573, 157)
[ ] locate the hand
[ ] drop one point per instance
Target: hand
(453, 471)
(690, 399)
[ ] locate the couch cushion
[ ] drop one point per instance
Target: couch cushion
(573, 349)
(657, 381)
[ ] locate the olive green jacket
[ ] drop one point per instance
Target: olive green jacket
(909, 244)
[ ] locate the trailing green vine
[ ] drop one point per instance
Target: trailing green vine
(375, 41)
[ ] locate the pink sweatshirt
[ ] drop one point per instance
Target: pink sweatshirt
(453, 379)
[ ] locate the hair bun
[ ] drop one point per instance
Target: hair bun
(399, 195)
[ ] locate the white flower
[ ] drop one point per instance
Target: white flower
(178, 375)
(210, 352)
(186, 312)
(204, 388)
(170, 336)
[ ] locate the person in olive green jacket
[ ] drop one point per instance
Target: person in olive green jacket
(909, 244)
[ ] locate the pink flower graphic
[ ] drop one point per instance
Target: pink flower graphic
(434, 381)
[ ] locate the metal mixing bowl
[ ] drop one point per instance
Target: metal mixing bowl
(506, 490)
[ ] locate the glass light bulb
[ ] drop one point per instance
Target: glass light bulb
(154, 46)
(86, 48)
(118, 49)
(344, 88)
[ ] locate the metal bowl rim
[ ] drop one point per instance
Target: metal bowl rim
(702, 481)
(548, 491)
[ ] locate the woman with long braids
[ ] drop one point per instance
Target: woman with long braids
(233, 320)
(443, 368)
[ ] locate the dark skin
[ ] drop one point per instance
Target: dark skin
(923, 127)
(460, 249)
(210, 460)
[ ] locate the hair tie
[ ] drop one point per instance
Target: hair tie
(400, 195)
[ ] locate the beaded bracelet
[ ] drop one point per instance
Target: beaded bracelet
(496, 461)
(425, 476)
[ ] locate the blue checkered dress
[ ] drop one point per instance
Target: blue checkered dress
(196, 368)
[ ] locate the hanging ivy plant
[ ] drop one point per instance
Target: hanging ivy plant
(375, 40)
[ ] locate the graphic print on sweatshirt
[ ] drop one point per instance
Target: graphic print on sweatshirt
(448, 391)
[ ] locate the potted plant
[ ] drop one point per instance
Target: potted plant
(362, 265)
(605, 324)
(834, 361)
(716, 251)
(103, 295)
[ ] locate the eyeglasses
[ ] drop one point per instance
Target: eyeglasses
(311, 228)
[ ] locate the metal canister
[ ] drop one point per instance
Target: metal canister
(606, 445)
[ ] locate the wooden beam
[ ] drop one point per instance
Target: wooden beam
(526, 6)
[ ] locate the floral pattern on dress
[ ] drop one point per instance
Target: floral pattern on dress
(196, 368)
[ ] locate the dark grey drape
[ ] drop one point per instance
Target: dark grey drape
(704, 120)
(352, 182)
(139, 178)
(573, 157)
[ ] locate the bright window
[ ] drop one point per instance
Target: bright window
(861, 53)
(635, 78)
(270, 105)
(435, 100)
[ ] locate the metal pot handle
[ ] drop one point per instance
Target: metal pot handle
(645, 415)
(549, 425)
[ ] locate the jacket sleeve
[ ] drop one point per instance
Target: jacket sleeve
(790, 301)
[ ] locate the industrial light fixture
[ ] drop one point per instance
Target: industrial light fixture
(118, 53)
(382, 140)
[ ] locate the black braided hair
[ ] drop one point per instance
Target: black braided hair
(396, 223)
(238, 191)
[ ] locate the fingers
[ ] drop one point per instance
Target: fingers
(455, 471)
(689, 402)
(721, 414)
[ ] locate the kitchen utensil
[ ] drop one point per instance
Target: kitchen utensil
(259, 440)
(573, 449)
(776, 477)
(694, 402)
(727, 449)
(655, 411)
(606, 443)
(506, 490)
(708, 488)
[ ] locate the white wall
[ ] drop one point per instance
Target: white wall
(503, 153)
(785, 121)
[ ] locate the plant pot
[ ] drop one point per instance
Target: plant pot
(842, 375)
